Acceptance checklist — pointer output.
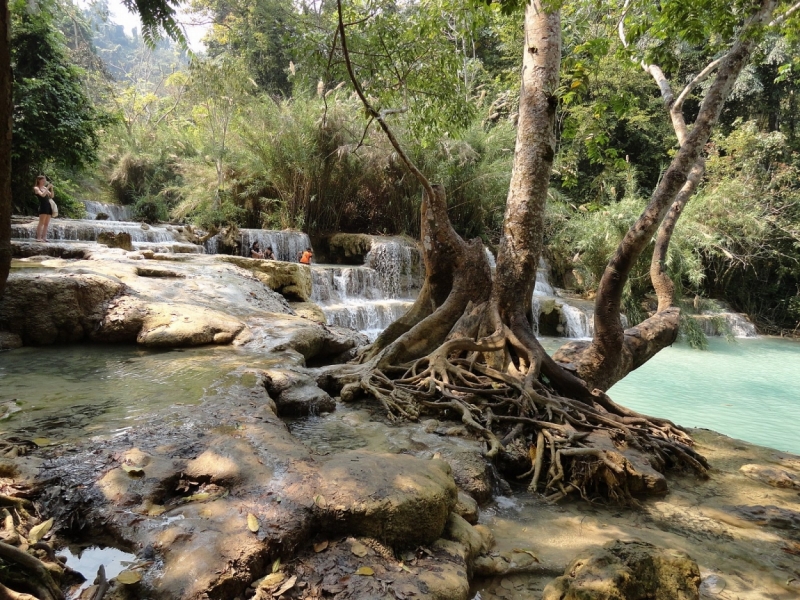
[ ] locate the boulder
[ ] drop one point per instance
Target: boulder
(171, 326)
(310, 311)
(9, 341)
(115, 240)
(343, 248)
(398, 499)
(628, 571)
(779, 478)
(467, 508)
(296, 394)
(291, 280)
(50, 308)
(472, 473)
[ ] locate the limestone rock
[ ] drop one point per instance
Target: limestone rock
(467, 508)
(115, 240)
(9, 341)
(55, 308)
(291, 280)
(628, 571)
(310, 311)
(472, 473)
(779, 478)
(170, 326)
(771, 516)
(27, 249)
(344, 248)
(398, 499)
(296, 394)
(460, 531)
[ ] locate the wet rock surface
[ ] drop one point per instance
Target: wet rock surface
(296, 394)
(628, 571)
(215, 494)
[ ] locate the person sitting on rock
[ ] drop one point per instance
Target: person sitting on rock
(269, 254)
(306, 256)
(255, 251)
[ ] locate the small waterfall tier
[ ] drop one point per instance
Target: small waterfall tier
(371, 296)
(286, 245)
(719, 320)
(156, 237)
(557, 314)
(115, 212)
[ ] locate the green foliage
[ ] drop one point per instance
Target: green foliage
(55, 124)
(150, 209)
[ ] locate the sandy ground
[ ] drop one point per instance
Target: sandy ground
(740, 557)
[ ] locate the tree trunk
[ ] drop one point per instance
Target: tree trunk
(6, 112)
(662, 283)
(610, 356)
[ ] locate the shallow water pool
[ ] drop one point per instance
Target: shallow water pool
(60, 393)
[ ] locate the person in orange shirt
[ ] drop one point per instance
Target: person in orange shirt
(306, 256)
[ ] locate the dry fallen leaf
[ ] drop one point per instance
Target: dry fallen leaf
(358, 549)
(320, 546)
(252, 522)
(528, 552)
(286, 586)
(38, 532)
(270, 581)
(129, 577)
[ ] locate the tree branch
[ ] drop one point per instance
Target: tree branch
(375, 114)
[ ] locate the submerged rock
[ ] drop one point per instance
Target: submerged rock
(628, 571)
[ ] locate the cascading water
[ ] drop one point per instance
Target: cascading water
(115, 212)
(368, 298)
(87, 231)
(286, 245)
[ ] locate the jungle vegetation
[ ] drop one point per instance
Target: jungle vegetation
(263, 129)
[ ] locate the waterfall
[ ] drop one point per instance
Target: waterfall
(370, 297)
(490, 258)
(285, 244)
(393, 261)
(719, 323)
(87, 231)
(115, 212)
(577, 323)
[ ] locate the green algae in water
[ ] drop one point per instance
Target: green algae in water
(69, 392)
(747, 390)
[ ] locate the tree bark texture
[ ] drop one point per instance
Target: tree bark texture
(523, 234)
(6, 112)
(601, 363)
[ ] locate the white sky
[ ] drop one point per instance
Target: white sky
(194, 32)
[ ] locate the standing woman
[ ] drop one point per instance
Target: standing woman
(44, 192)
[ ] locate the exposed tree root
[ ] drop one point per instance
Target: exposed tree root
(495, 386)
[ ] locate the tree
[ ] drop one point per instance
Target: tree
(466, 347)
(55, 124)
